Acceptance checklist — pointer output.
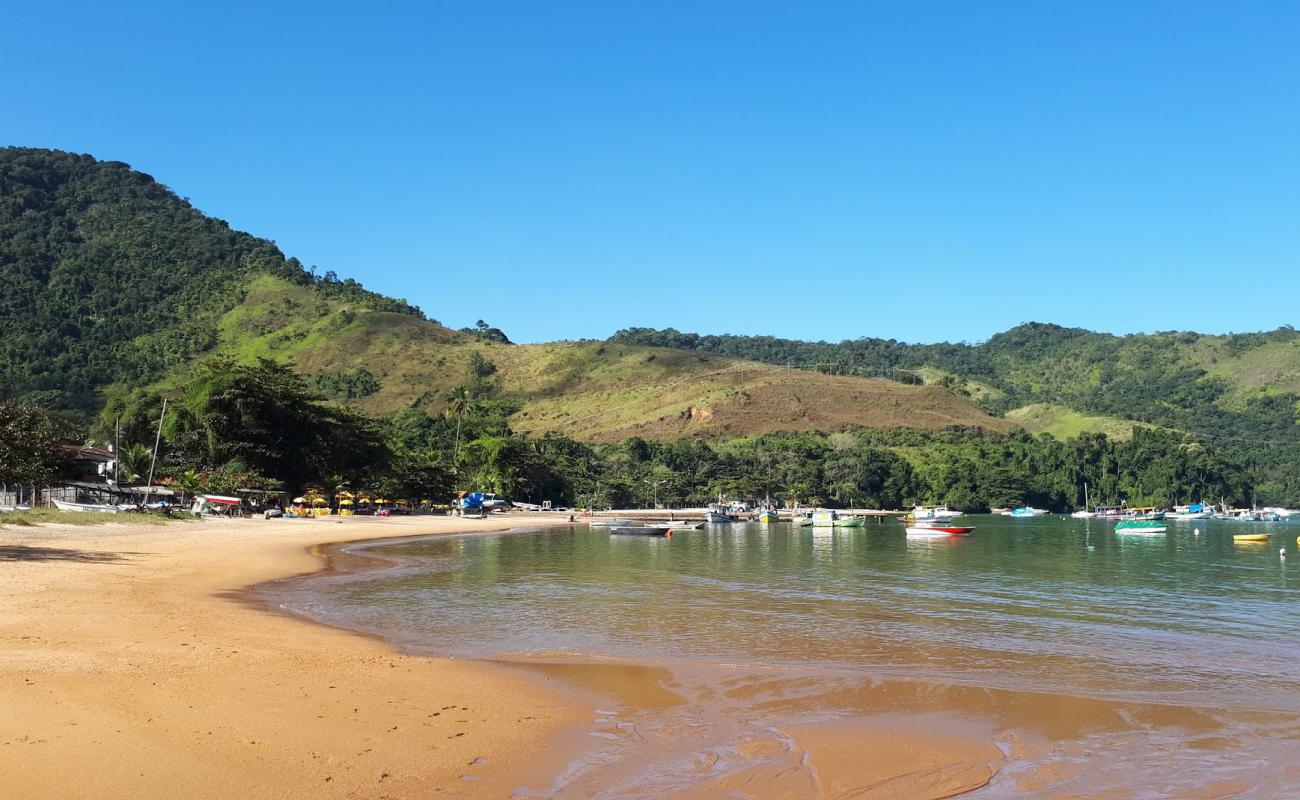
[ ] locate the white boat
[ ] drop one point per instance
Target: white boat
(1284, 513)
(610, 523)
(718, 518)
(102, 508)
(935, 514)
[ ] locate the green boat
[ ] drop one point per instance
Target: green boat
(1140, 526)
(850, 522)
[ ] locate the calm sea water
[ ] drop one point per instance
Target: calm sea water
(1188, 618)
(1049, 603)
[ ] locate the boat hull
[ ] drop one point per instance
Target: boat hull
(1251, 537)
(1129, 528)
(939, 531)
(635, 531)
(64, 505)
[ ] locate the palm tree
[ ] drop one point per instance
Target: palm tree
(459, 401)
(134, 462)
(331, 484)
(188, 482)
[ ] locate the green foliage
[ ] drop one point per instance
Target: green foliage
(30, 440)
(351, 385)
(110, 278)
(264, 419)
(486, 333)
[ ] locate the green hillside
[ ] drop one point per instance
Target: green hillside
(109, 277)
(118, 283)
(1063, 423)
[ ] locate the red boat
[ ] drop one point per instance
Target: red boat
(934, 530)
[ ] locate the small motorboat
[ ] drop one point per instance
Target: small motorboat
(1140, 526)
(936, 530)
(768, 517)
(850, 522)
(610, 523)
(1025, 512)
(683, 526)
(640, 530)
(718, 518)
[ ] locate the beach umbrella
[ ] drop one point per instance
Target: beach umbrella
(299, 500)
(345, 502)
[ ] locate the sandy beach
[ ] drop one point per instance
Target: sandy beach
(129, 668)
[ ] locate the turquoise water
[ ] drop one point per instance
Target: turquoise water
(1048, 603)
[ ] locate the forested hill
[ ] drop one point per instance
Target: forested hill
(1241, 391)
(109, 277)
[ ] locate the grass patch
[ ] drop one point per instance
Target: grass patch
(40, 516)
(1066, 423)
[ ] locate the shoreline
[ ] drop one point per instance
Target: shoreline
(126, 671)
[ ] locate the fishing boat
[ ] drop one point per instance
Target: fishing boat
(1194, 511)
(1250, 537)
(850, 522)
(768, 517)
(936, 530)
(825, 518)
(1025, 511)
(1140, 526)
(102, 508)
(1109, 512)
(718, 518)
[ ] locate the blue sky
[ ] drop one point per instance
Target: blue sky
(923, 171)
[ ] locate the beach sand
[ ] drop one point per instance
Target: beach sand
(130, 668)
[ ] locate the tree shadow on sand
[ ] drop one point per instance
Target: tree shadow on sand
(20, 552)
